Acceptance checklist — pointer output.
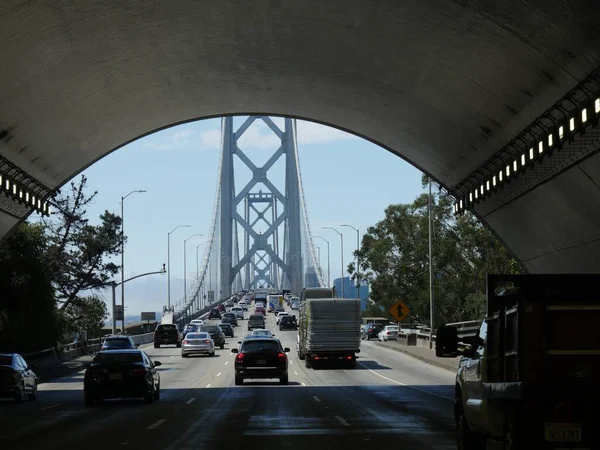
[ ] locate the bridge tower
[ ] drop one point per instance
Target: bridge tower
(260, 210)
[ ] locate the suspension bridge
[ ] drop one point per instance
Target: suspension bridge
(260, 235)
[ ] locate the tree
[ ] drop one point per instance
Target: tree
(394, 257)
(79, 252)
(85, 313)
(28, 320)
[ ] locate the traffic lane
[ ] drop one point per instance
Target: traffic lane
(61, 401)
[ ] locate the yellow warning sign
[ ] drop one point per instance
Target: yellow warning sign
(399, 311)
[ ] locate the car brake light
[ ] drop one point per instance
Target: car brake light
(138, 371)
(281, 356)
(186, 342)
(388, 333)
(239, 358)
(207, 341)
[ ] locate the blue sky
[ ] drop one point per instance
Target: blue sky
(347, 180)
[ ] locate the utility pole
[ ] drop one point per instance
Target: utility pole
(431, 309)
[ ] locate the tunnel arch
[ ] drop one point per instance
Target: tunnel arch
(445, 85)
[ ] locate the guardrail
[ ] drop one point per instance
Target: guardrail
(421, 338)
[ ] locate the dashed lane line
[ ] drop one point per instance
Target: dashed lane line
(296, 373)
(191, 400)
(342, 421)
(208, 385)
(219, 374)
(317, 399)
(156, 424)
(51, 407)
(226, 362)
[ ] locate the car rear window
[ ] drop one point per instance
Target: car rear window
(287, 319)
(257, 318)
(5, 360)
(116, 358)
(167, 327)
(256, 345)
(197, 336)
(117, 342)
(210, 328)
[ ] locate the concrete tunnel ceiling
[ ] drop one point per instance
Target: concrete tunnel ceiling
(444, 84)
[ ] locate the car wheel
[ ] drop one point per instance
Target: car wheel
(239, 381)
(212, 354)
(465, 438)
(179, 345)
(33, 395)
(149, 397)
(283, 380)
(156, 345)
(307, 362)
(21, 396)
(222, 346)
(183, 355)
(157, 393)
(89, 400)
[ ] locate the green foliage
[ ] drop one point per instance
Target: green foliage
(85, 313)
(394, 258)
(28, 319)
(77, 250)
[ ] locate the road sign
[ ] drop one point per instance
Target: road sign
(148, 316)
(118, 312)
(399, 311)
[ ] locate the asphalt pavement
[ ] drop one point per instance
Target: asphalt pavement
(389, 399)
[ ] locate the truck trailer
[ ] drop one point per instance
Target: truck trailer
(329, 330)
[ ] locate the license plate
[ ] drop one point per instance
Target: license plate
(261, 361)
(115, 376)
(563, 432)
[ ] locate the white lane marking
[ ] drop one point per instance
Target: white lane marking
(51, 406)
(172, 356)
(317, 399)
(208, 385)
(158, 423)
(226, 362)
(406, 385)
(219, 374)
(291, 362)
(191, 400)
(296, 373)
(303, 384)
(342, 421)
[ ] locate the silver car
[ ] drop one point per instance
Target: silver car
(238, 311)
(199, 343)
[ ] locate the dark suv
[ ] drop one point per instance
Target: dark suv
(288, 323)
(256, 321)
(261, 358)
(214, 313)
(216, 334)
(167, 333)
(118, 342)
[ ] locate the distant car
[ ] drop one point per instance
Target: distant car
(167, 333)
(261, 358)
(229, 317)
(256, 321)
(260, 310)
(227, 329)
(197, 322)
(197, 344)
(17, 380)
(288, 323)
(214, 313)
(259, 304)
(279, 309)
(238, 311)
(221, 307)
(370, 331)
(295, 305)
(389, 333)
(281, 315)
(189, 328)
(216, 333)
(229, 303)
(121, 374)
(118, 342)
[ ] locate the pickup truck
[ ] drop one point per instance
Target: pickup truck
(529, 377)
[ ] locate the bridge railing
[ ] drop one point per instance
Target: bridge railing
(422, 334)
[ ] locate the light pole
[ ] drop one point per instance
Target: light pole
(357, 250)
(169, 262)
(114, 302)
(139, 191)
(328, 261)
(431, 322)
(185, 266)
(341, 252)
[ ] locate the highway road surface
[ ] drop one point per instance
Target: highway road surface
(390, 399)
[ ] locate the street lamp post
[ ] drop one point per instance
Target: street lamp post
(139, 191)
(357, 250)
(114, 301)
(185, 266)
(328, 261)
(341, 252)
(169, 262)
(431, 310)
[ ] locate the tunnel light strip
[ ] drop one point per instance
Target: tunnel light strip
(25, 196)
(550, 142)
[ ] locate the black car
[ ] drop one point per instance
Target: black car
(231, 318)
(189, 328)
(118, 342)
(167, 333)
(17, 380)
(227, 329)
(279, 309)
(121, 374)
(261, 358)
(214, 313)
(216, 333)
(371, 331)
(288, 323)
